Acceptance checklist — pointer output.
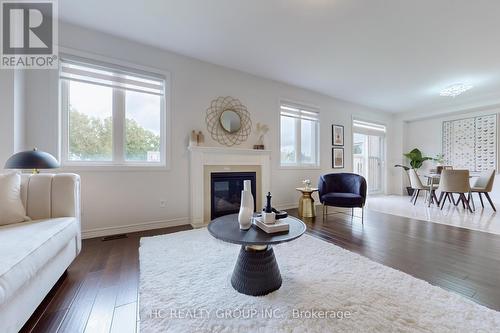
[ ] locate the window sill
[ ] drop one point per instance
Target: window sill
(113, 168)
(300, 167)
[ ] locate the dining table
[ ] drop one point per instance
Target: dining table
(433, 183)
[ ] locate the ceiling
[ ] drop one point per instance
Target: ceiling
(387, 54)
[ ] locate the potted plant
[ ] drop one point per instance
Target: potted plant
(416, 161)
(439, 159)
(416, 158)
(439, 163)
(405, 168)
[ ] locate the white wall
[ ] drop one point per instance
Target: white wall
(426, 135)
(19, 117)
(12, 113)
(6, 115)
(118, 198)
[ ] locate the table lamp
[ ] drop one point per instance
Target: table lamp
(32, 159)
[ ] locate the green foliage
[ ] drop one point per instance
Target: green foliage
(357, 149)
(416, 158)
(140, 141)
(91, 139)
(404, 167)
(439, 158)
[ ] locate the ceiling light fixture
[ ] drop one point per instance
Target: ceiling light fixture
(455, 89)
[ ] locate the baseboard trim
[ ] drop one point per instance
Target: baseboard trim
(123, 229)
(285, 206)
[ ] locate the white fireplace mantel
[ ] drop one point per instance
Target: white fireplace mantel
(199, 157)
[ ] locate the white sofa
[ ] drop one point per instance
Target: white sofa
(34, 254)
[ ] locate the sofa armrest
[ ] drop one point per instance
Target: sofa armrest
(66, 199)
(66, 195)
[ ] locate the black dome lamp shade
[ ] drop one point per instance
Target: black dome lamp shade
(32, 159)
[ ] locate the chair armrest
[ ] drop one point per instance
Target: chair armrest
(321, 188)
(363, 188)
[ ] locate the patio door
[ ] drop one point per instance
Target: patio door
(369, 154)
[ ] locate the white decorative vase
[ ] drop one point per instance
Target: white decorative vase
(246, 208)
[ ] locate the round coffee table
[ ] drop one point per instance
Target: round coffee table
(256, 272)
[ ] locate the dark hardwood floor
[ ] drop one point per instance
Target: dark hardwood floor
(99, 291)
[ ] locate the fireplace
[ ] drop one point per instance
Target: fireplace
(226, 190)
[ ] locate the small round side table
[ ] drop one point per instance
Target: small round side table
(306, 202)
(256, 272)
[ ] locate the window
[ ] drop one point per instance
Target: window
(299, 136)
(367, 127)
(368, 153)
(111, 115)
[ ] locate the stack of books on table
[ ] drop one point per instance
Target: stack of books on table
(271, 228)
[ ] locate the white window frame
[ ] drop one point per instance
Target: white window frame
(118, 154)
(368, 127)
(298, 139)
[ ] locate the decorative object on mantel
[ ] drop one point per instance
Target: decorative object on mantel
(246, 207)
(201, 138)
(228, 121)
(193, 138)
(196, 138)
(261, 130)
(32, 159)
(337, 135)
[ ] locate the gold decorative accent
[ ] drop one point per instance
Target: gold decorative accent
(306, 202)
(213, 119)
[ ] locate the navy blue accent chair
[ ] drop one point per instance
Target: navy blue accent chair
(347, 190)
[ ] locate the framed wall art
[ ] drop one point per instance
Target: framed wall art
(471, 143)
(337, 158)
(337, 135)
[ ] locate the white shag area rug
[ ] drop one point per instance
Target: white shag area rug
(185, 287)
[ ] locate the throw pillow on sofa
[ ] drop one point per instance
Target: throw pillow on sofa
(11, 206)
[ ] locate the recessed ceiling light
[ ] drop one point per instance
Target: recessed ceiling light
(455, 89)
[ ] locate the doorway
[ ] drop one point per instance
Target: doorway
(369, 154)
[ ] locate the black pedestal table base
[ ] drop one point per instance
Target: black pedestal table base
(256, 272)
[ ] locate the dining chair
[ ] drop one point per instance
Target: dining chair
(440, 168)
(484, 185)
(417, 186)
(455, 181)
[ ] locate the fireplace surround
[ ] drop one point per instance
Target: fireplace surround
(203, 161)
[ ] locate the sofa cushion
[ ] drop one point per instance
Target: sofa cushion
(11, 206)
(26, 247)
(342, 199)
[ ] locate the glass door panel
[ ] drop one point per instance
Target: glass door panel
(368, 160)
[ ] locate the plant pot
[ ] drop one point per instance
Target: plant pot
(410, 191)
